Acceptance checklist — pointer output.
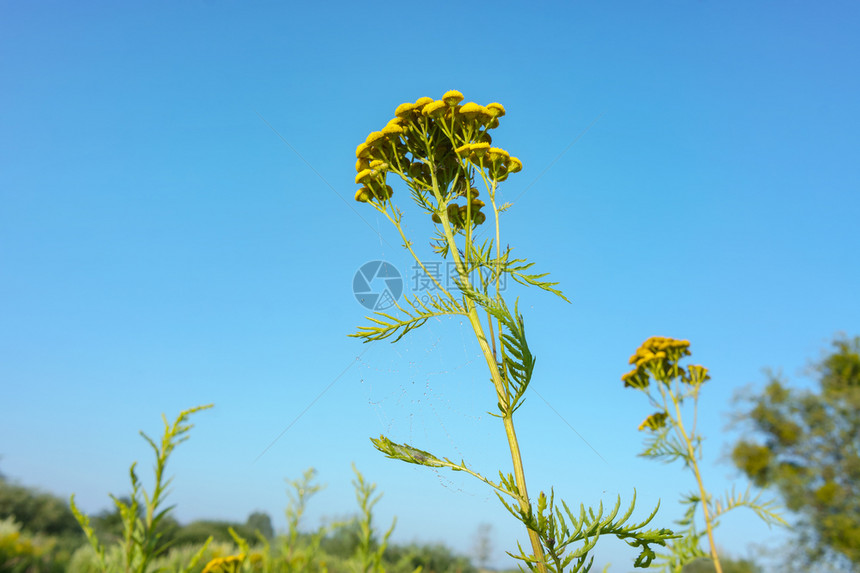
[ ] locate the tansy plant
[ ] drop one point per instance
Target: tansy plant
(443, 151)
(670, 437)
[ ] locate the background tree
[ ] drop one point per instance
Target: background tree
(37, 512)
(483, 544)
(262, 522)
(808, 451)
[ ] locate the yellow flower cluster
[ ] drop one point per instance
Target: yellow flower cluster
(430, 143)
(657, 355)
(654, 422)
(229, 564)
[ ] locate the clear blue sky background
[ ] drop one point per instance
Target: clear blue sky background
(161, 247)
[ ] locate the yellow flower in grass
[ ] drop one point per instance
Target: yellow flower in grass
(654, 422)
(496, 109)
(435, 109)
(452, 98)
(229, 564)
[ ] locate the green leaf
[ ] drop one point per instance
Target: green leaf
(415, 313)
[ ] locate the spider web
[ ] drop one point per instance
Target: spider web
(431, 389)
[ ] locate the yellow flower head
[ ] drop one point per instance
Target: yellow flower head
(514, 165)
(404, 110)
(392, 128)
(363, 195)
(696, 375)
(497, 154)
(374, 137)
(435, 109)
(364, 176)
(472, 150)
(480, 217)
(421, 102)
(474, 111)
(636, 378)
(230, 564)
(378, 164)
(654, 422)
(496, 109)
(452, 98)
(362, 151)
(362, 164)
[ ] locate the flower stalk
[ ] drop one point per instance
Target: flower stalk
(440, 149)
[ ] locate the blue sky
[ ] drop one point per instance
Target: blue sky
(161, 247)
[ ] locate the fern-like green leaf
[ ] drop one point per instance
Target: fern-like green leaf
(414, 314)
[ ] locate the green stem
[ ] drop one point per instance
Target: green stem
(704, 494)
(498, 383)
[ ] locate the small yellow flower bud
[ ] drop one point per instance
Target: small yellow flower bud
(454, 213)
(383, 192)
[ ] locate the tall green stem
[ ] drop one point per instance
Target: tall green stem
(691, 454)
(513, 444)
